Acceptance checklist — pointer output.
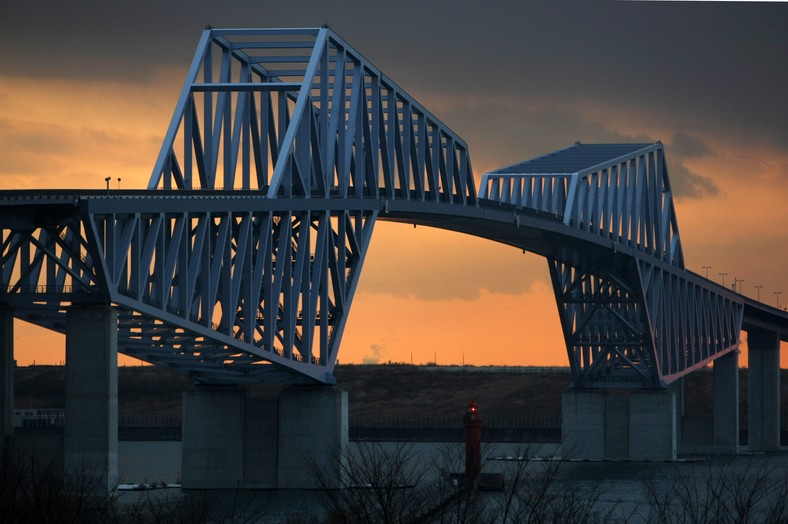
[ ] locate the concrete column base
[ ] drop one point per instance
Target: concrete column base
(90, 437)
(583, 424)
(313, 437)
(212, 440)
(260, 446)
(726, 404)
(677, 388)
(652, 425)
(616, 424)
(231, 441)
(763, 384)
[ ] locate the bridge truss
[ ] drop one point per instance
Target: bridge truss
(635, 319)
(240, 261)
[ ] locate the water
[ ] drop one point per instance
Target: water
(149, 461)
(620, 486)
(160, 461)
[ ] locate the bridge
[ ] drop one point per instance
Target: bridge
(239, 262)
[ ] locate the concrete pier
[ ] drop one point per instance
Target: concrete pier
(619, 424)
(231, 441)
(313, 437)
(725, 432)
(213, 438)
(677, 387)
(90, 441)
(6, 375)
(583, 424)
(261, 451)
(763, 382)
(652, 425)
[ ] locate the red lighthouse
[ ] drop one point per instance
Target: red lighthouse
(473, 422)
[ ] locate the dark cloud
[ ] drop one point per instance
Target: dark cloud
(502, 134)
(687, 146)
(700, 67)
(686, 183)
(704, 67)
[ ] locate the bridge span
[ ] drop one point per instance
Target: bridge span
(238, 264)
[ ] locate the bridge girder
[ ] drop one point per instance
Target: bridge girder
(234, 290)
(112, 249)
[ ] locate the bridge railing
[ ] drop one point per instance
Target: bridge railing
(627, 199)
(545, 193)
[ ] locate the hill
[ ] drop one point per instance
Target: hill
(375, 390)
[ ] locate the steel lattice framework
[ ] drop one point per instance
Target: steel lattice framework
(644, 320)
(240, 261)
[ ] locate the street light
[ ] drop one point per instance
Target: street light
(778, 293)
(758, 287)
(723, 278)
(707, 271)
(107, 181)
(736, 282)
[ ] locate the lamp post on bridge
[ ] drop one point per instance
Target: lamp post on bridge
(736, 284)
(707, 271)
(778, 293)
(723, 278)
(758, 287)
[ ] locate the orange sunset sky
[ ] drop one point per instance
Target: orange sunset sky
(87, 92)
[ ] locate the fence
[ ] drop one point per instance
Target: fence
(451, 422)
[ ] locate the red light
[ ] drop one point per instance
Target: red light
(472, 408)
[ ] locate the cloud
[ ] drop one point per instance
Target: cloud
(502, 132)
(685, 182)
(720, 66)
(39, 154)
(687, 146)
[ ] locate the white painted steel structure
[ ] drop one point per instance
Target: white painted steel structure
(240, 261)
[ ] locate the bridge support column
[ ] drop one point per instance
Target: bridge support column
(620, 424)
(6, 375)
(90, 440)
(313, 437)
(677, 388)
(652, 425)
(726, 404)
(231, 441)
(213, 438)
(763, 387)
(583, 424)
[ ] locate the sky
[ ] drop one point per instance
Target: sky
(88, 88)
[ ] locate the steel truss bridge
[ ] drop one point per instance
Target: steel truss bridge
(240, 260)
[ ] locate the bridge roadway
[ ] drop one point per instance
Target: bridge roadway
(539, 232)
